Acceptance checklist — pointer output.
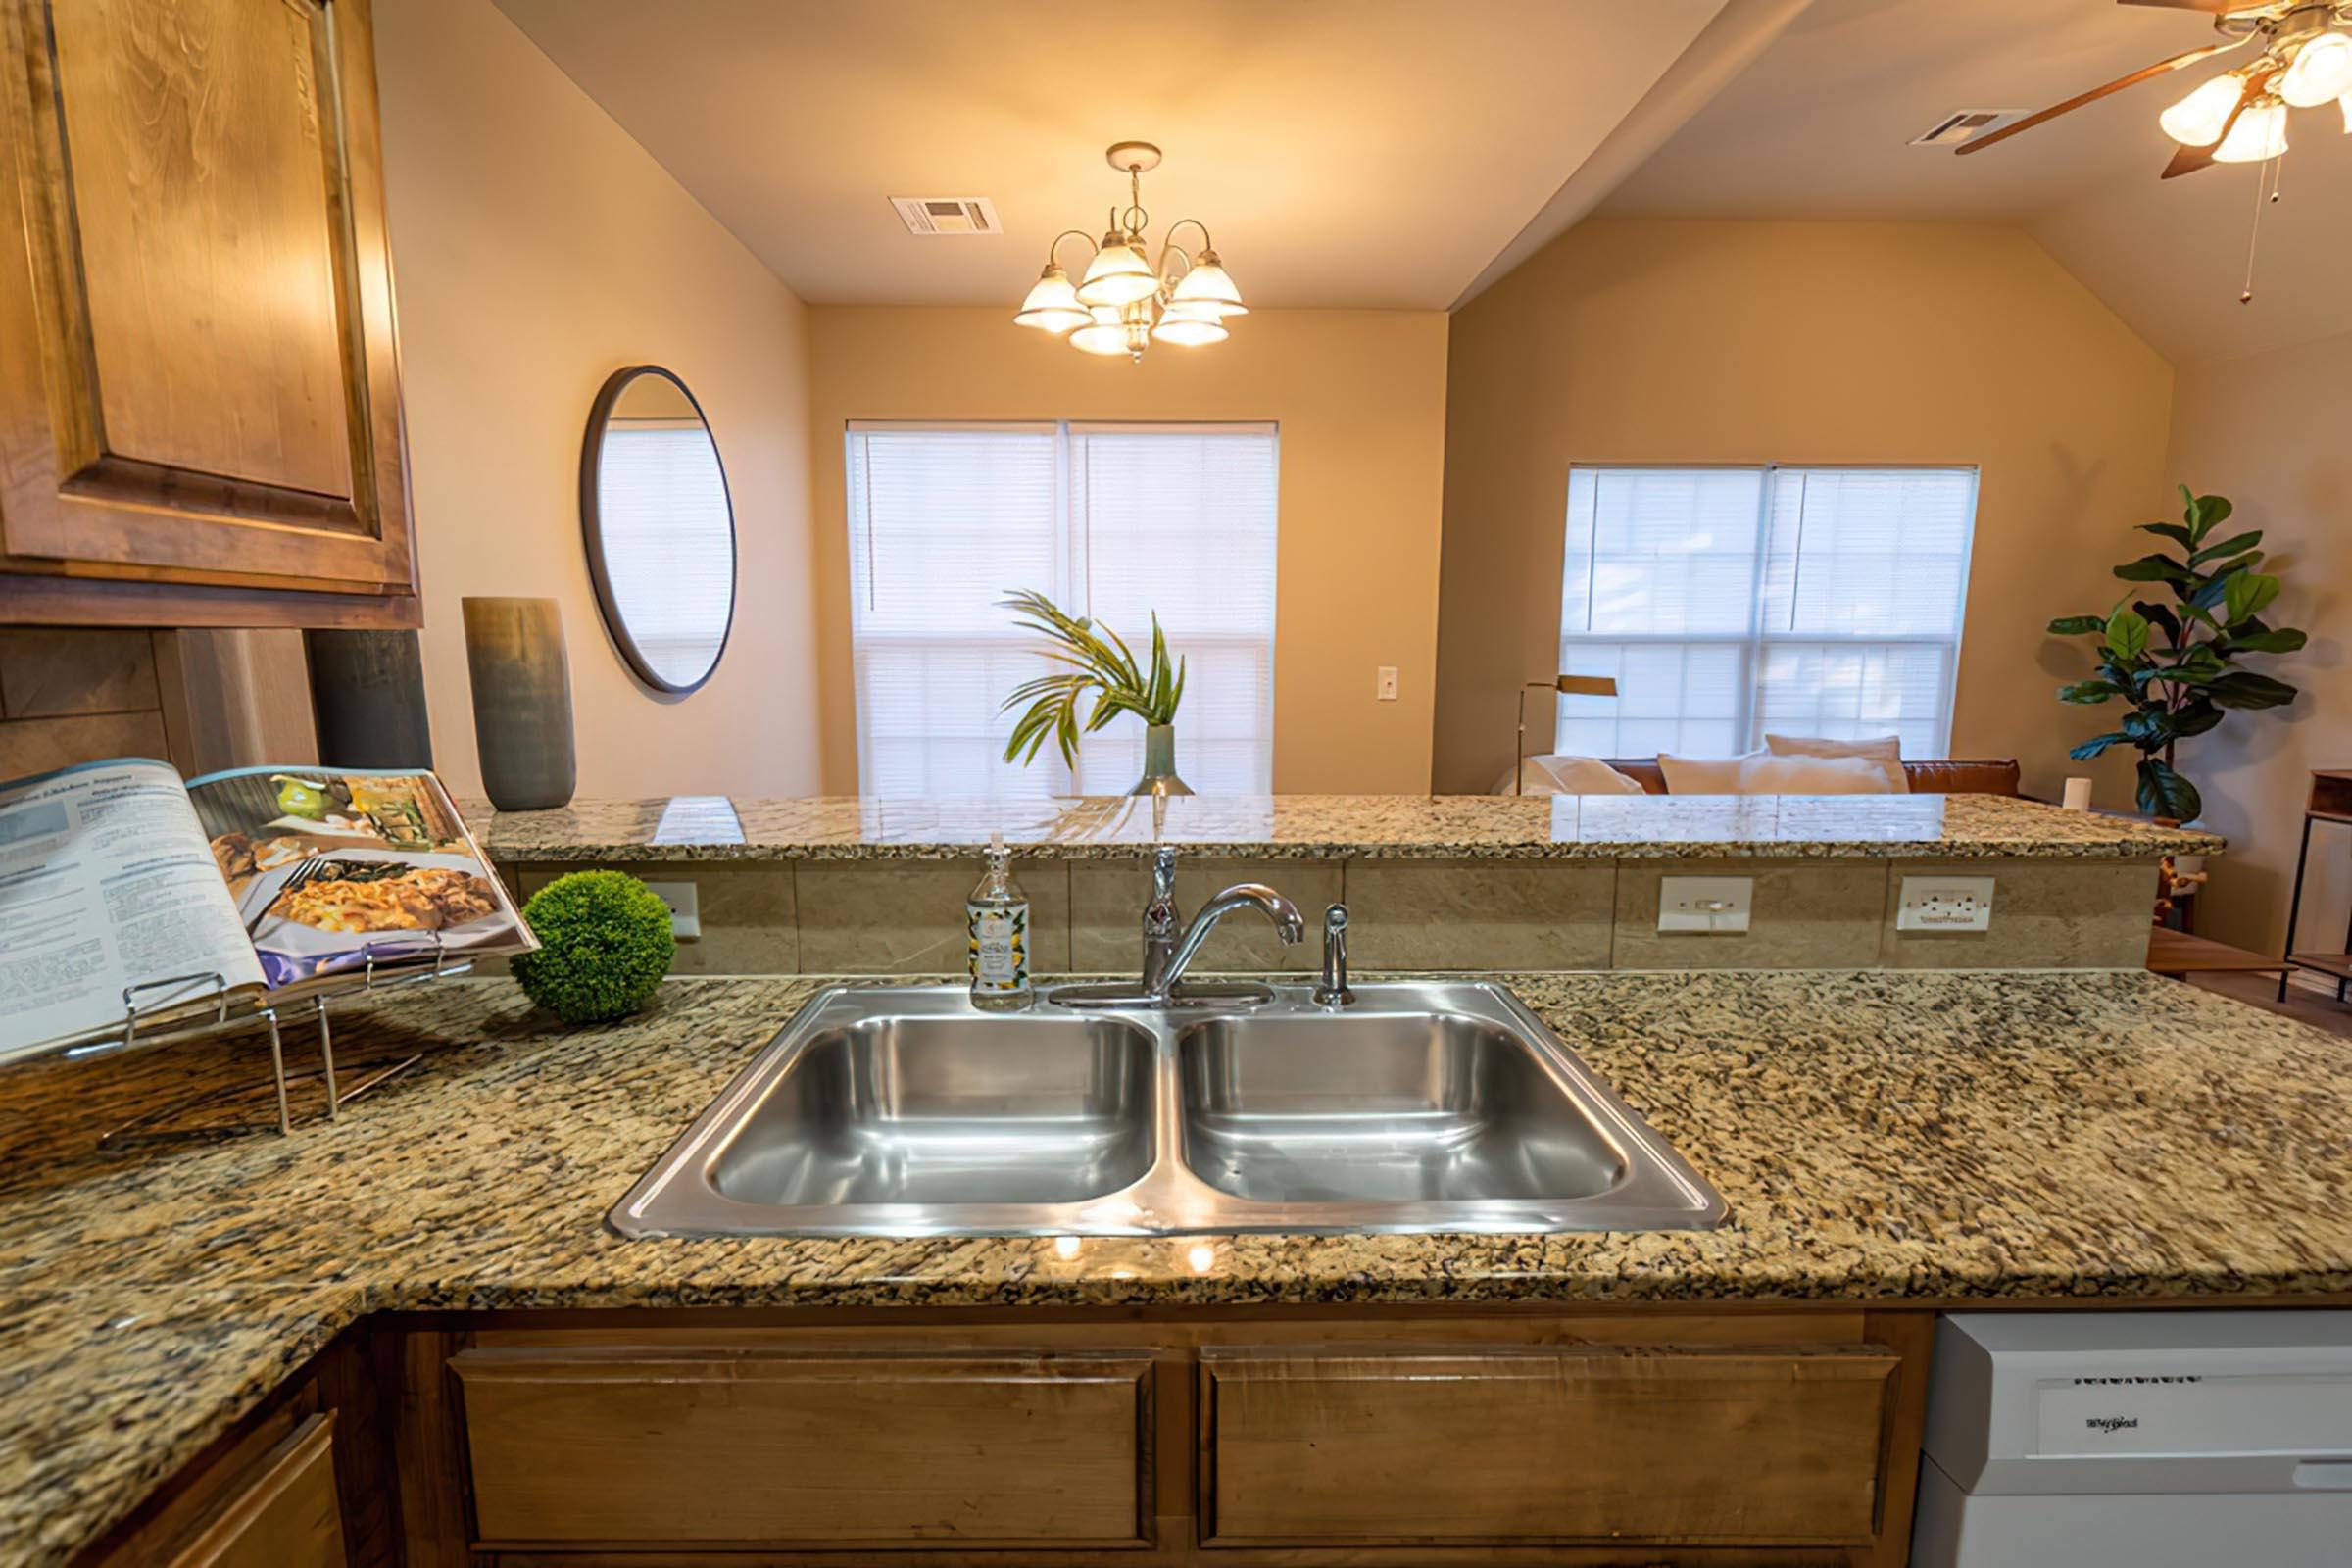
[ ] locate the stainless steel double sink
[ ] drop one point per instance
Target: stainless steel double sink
(1421, 1108)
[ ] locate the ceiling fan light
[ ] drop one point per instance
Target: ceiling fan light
(1053, 304)
(2345, 104)
(1190, 324)
(2321, 70)
(2197, 120)
(2258, 135)
(1118, 274)
(1207, 283)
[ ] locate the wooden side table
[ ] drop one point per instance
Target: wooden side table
(2331, 801)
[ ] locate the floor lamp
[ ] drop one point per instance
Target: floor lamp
(1577, 685)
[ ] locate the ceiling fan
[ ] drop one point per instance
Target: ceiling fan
(2304, 62)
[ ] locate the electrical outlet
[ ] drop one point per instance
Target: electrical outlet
(1388, 683)
(1945, 904)
(685, 917)
(1704, 903)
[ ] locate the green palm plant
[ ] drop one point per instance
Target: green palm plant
(1099, 661)
(2181, 687)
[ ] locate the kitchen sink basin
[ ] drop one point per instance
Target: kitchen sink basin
(1422, 1107)
(917, 1110)
(1382, 1108)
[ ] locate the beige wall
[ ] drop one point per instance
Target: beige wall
(1663, 341)
(1360, 397)
(2268, 432)
(538, 247)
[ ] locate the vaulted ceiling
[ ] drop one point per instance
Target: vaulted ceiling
(1343, 151)
(1401, 153)
(1819, 126)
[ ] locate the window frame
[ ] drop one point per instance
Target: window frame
(1072, 552)
(1750, 647)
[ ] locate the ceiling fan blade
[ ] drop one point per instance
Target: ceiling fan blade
(2145, 73)
(2189, 160)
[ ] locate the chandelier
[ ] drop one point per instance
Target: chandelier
(1125, 301)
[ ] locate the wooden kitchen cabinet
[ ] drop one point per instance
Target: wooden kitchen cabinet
(762, 1446)
(271, 1502)
(1293, 1436)
(200, 419)
(1521, 1445)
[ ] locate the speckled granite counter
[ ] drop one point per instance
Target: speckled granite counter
(1278, 827)
(1877, 1136)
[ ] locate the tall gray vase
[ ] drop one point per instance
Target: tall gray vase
(521, 701)
(1159, 763)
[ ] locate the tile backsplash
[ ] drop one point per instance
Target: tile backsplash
(74, 694)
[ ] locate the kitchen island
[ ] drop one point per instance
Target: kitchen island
(1886, 1143)
(1487, 883)
(1323, 827)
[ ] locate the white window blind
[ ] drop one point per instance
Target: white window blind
(1110, 521)
(1732, 602)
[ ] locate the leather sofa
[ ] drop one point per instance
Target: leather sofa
(1942, 776)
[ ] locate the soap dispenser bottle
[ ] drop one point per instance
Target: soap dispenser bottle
(996, 929)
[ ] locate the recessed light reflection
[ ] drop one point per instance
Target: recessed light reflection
(1066, 1246)
(1202, 1258)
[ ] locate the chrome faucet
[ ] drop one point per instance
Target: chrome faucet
(1168, 953)
(1240, 896)
(1331, 990)
(1161, 917)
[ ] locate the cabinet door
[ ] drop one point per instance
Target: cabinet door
(197, 377)
(686, 1446)
(283, 1514)
(1504, 1445)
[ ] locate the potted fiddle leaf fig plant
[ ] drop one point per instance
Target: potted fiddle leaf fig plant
(2177, 666)
(1100, 663)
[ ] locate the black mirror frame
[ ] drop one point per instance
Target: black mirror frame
(608, 606)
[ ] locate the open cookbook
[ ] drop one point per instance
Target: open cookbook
(117, 877)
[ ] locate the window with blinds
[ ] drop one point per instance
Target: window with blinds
(1110, 521)
(1728, 603)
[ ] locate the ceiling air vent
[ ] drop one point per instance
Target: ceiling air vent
(946, 215)
(1960, 127)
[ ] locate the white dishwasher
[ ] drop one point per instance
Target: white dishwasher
(2139, 1440)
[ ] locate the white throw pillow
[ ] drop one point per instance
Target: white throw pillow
(1567, 776)
(1702, 775)
(1813, 775)
(1884, 750)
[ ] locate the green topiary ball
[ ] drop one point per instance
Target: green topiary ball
(604, 944)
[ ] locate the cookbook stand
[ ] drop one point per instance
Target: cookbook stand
(228, 1015)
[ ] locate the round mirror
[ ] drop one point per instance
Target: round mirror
(660, 528)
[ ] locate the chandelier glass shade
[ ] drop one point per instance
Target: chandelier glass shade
(1119, 274)
(1125, 300)
(1053, 304)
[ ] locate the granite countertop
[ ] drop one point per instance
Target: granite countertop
(1876, 1137)
(1605, 827)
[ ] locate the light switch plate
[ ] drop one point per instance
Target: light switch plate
(1945, 904)
(1704, 903)
(685, 917)
(1388, 683)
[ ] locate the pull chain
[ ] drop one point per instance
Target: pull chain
(2266, 191)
